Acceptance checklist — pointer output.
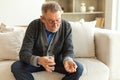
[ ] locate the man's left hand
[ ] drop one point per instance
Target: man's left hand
(70, 66)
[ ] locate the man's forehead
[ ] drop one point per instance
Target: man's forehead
(50, 14)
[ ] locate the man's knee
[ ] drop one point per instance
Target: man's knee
(80, 68)
(16, 66)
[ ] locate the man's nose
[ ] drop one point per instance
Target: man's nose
(55, 24)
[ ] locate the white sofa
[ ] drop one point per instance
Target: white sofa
(97, 50)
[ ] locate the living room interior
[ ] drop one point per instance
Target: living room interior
(98, 18)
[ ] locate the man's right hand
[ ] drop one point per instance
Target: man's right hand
(46, 62)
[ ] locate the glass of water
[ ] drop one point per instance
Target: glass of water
(51, 57)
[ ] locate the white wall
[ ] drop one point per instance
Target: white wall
(19, 12)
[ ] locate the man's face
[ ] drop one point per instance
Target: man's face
(52, 20)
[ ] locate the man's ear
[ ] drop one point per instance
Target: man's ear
(42, 19)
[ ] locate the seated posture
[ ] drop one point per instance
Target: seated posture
(47, 46)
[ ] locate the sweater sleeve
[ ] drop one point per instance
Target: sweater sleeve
(25, 53)
(68, 45)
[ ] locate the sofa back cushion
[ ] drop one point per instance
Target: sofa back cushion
(82, 34)
(10, 43)
(83, 38)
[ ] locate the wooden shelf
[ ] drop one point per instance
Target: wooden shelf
(74, 13)
(71, 9)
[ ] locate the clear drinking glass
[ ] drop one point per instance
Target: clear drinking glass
(52, 58)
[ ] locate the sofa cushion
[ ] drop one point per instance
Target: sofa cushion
(91, 68)
(10, 43)
(83, 38)
(5, 70)
(89, 72)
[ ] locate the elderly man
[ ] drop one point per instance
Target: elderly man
(45, 37)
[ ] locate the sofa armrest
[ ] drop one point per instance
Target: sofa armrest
(107, 46)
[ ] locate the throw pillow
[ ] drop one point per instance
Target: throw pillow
(10, 43)
(83, 38)
(89, 23)
(4, 28)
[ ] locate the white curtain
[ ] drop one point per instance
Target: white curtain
(118, 16)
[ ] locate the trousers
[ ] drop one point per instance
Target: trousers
(22, 71)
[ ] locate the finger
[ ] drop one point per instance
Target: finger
(72, 70)
(52, 68)
(69, 69)
(66, 67)
(49, 60)
(48, 69)
(51, 64)
(75, 66)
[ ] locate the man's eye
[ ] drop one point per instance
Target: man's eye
(51, 21)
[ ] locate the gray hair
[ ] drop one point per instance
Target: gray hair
(52, 6)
